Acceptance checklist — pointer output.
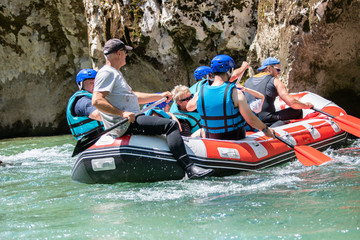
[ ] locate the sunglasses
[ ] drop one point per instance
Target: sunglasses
(125, 50)
(277, 69)
(187, 99)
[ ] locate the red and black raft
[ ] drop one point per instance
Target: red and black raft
(147, 158)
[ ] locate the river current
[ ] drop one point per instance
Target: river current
(39, 200)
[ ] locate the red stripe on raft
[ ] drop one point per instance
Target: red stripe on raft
(118, 142)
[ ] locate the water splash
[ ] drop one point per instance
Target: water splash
(286, 201)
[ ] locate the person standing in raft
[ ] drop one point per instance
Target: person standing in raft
(267, 83)
(116, 100)
(223, 109)
(83, 118)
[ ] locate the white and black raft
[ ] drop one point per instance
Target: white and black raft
(147, 158)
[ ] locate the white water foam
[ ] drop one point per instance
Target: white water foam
(36, 156)
(173, 190)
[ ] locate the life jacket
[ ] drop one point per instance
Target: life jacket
(80, 126)
(193, 89)
(196, 87)
(192, 117)
(158, 111)
(216, 108)
(260, 83)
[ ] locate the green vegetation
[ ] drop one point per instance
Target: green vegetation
(136, 14)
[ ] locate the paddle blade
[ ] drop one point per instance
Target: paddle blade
(309, 156)
(85, 142)
(349, 124)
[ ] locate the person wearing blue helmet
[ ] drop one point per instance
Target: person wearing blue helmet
(202, 74)
(83, 118)
(223, 109)
(267, 83)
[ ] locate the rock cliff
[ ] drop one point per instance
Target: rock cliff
(44, 43)
(171, 38)
(317, 43)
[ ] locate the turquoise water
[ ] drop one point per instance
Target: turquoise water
(38, 200)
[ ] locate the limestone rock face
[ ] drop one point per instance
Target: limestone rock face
(43, 44)
(317, 43)
(171, 38)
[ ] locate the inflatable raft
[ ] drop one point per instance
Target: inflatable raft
(147, 158)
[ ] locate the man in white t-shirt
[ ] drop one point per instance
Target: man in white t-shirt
(116, 100)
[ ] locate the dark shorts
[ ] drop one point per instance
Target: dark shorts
(281, 117)
(152, 125)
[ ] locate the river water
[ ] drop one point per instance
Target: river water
(38, 200)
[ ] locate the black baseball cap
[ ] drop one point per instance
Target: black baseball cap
(113, 45)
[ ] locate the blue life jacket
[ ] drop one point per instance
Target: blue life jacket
(158, 111)
(192, 117)
(196, 87)
(216, 109)
(80, 126)
(193, 89)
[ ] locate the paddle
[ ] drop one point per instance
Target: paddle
(346, 122)
(308, 156)
(88, 140)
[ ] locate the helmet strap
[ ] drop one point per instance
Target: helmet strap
(206, 77)
(230, 72)
(80, 85)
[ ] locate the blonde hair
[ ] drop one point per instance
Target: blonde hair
(179, 91)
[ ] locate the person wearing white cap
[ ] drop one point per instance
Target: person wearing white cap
(267, 83)
(116, 100)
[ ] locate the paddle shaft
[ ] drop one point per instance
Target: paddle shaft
(307, 155)
(346, 122)
(86, 141)
(325, 113)
(137, 114)
(284, 141)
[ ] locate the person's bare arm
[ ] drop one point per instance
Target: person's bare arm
(144, 98)
(192, 104)
(288, 99)
(255, 93)
(95, 115)
(239, 71)
(173, 117)
(248, 115)
(99, 101)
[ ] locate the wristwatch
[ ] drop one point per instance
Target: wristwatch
(265, 129)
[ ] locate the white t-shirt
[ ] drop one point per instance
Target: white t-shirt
(120, 95)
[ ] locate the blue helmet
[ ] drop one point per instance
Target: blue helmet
(222, 63)
(200, 72)
(85, 74)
